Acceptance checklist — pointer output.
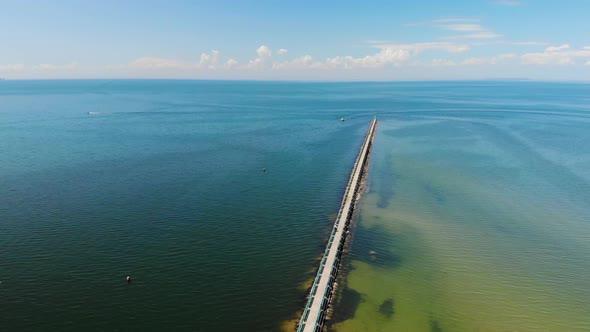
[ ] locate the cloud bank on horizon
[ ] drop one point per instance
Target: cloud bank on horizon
(488, 45)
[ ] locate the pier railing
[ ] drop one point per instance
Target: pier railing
(316, 322)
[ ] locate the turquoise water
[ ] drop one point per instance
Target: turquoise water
(477, 208)
(165, 185)
(478, 214)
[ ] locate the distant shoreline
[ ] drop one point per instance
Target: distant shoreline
(507, 80)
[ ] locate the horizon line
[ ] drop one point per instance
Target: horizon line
(506, 79)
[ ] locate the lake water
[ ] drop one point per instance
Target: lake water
(476, 217)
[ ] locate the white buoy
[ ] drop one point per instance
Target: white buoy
(128, 279)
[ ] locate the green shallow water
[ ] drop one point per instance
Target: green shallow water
(474, 221)
(477, 209)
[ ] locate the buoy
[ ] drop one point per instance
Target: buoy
(128, 279)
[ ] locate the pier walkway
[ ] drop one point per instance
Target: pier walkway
(321, 291)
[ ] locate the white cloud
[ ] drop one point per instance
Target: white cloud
(469, 26)
(462, 27)
(510, 3)
(442, 62)
(388, 55)
(231, 64)
(556, 55)
(442, 21)
(282, 51)
(475, 61)
(472, 30)
(47, 66)
(264, 52)
(506, 42)
(12, 68)
(162, 63)
(301, 62)
(557, 48)
(264, 57)
(209, 61)
(422, 47)
(503, 57)
(523, 43)
(206, 61)
(215, 54)
(546, 59)
(393, 54)
(385, 55)
(477, 35)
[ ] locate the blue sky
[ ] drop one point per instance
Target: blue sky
(303, 40)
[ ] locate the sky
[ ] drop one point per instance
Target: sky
(296, 40)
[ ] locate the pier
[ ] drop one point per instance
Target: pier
(320, 295)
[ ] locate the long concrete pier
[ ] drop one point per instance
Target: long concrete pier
(320, 295)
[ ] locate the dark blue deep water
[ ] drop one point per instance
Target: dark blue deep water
(162, 180)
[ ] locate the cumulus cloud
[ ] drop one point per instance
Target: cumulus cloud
(475, 61)
(301, 62)
(12, 68)
(555, 55)
(264, 52)
(388, 55)
(264, 57)
(230, 64)
(209, 61)
(206, 61)
(385, 55)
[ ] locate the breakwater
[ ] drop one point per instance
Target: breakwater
(321, 292)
